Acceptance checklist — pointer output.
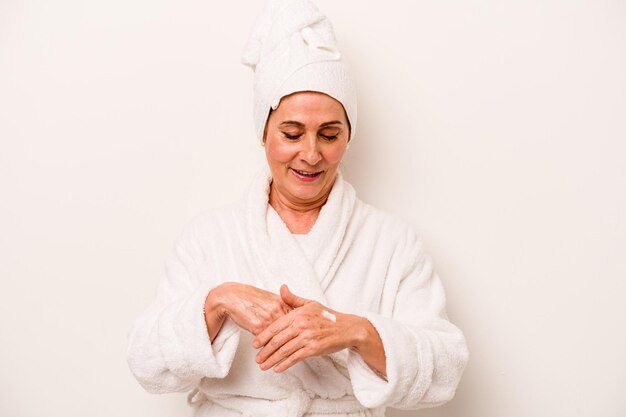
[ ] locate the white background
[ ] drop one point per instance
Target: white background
(496, 127)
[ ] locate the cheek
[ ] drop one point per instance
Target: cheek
(278, 152)
(335, 155)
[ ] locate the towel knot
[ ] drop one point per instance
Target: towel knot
(292, 48)
(314, 40)
(196, 398)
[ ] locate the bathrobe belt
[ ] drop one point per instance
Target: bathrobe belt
(297, 404)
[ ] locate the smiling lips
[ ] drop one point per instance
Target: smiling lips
(306, 176)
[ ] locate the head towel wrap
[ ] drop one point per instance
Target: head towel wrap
(293, 48)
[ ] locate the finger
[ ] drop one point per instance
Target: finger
(275, 343)
(283, 352)
(291, 299)
(294, 358)
(270, 331)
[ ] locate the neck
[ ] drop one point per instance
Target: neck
(299, 216)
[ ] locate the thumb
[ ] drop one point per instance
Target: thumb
(291, 299)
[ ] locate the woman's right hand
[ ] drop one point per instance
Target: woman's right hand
(251, 308)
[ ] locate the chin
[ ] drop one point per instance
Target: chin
(310, 192)
(308, 195)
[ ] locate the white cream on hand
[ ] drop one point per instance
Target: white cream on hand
(330, 316)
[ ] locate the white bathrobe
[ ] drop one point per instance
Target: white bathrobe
(356, 259)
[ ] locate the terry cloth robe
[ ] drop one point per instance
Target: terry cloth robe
(356, 259)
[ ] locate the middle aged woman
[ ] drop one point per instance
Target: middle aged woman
(300, 299)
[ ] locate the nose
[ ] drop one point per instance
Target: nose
(310, 152)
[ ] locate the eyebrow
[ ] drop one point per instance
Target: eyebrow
(299, 124)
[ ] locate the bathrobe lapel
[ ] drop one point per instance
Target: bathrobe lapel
(279, 259)
(307, 271)
(328, 235)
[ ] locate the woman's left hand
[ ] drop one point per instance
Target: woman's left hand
(309, 330)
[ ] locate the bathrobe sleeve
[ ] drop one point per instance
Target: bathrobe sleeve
(168, 345)
(425, 353)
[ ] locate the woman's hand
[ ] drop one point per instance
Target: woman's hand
(313, 330)
(251, 308)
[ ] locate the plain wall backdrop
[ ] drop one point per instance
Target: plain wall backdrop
(497, 128)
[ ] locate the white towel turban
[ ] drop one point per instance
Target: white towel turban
(293, 48)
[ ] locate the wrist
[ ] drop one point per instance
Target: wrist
(369, 346)
(214, 314)
(214, 304)
(361, 334)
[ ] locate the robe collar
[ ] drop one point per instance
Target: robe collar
(307, 269)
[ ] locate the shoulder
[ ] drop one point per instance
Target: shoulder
(397, 239)
(387, 223)
(390, 236)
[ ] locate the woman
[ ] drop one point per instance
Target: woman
(301, 299)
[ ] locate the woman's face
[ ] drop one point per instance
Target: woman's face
(305, 139)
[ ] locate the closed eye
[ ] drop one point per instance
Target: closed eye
(291, 137)
(329, 133)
